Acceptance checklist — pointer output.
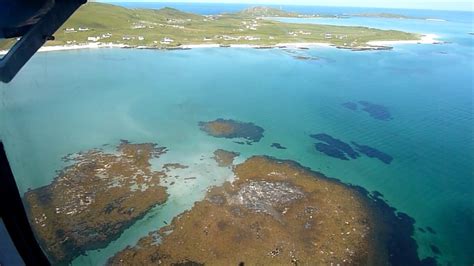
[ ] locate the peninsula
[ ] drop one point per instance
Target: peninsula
(105, 25)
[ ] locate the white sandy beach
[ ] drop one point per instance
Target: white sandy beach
(207, 45)
(425, 39)
(305, 45)
(74, 47)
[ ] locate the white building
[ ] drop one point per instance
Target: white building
(93, 39)
(138, 26)
(166, 40)
(251, 38)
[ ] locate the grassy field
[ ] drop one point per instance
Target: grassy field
(169, 27)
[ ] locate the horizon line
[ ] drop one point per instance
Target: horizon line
(287, 4)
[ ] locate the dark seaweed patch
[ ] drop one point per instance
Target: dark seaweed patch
(376, 111)
(377, 194)
(306, 58)
(350, 105)
(373, 153)
(435, 250)
(341, 150)
(334, 147)
(278, 146)
(431, 230)
(401, 245)
(330, 151)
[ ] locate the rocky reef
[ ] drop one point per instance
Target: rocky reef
(280, 213)
(225, 158)
(90, 202)
(222, 128)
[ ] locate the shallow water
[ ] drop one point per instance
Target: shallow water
(65, 102)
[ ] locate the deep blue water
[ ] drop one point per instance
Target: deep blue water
(65, 102)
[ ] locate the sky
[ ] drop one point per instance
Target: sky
(463, 5)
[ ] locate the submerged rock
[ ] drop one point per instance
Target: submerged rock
(278, 213)
(93, 200)
(222, 128)
(173, 166)
(278, 146)
(306, 58)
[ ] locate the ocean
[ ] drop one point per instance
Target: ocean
(69, 101)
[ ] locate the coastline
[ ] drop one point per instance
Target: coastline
(74, 47)
(371, 45)
(425, 39)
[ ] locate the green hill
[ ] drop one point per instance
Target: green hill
(168, 27)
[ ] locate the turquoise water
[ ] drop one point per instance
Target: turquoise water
(65, 102)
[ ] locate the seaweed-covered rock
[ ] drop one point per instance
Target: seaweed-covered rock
(224, 158)
(222, 128)
(93, 200)
(279, 213)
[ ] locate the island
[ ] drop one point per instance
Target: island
(225, 158)
(278, 212)
(105, 25)
(90, 202)
(228, 128)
